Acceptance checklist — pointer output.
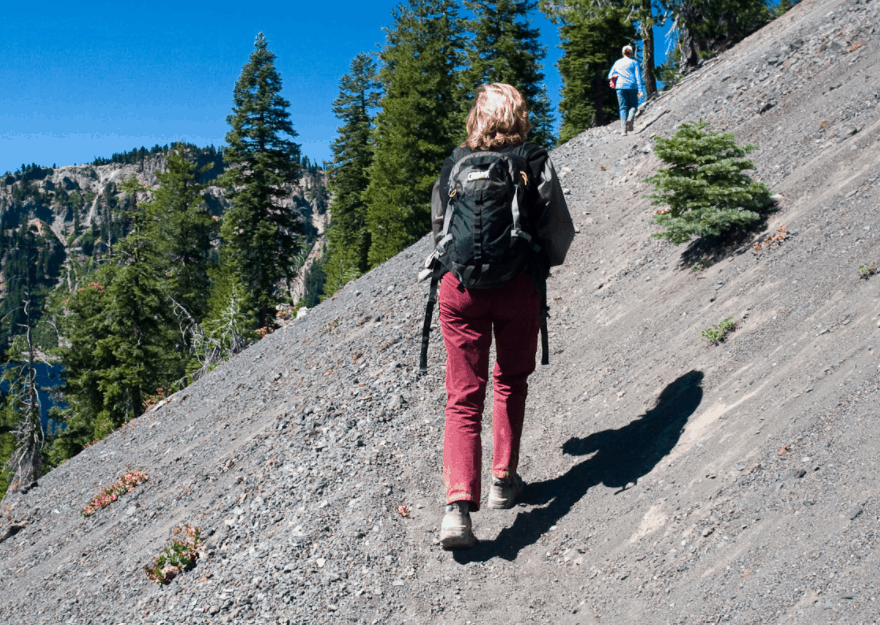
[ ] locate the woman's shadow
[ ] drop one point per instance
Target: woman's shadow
(619, 458)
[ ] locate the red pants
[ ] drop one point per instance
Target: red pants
(468, 318)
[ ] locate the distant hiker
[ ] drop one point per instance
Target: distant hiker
(500, 223)
(626, 80)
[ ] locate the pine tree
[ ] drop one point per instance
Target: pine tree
(703, 188)
(591, 38)
(645, 14)
(505, 48)
(418, 126)
(180, 230)
(706, 27)
(348, 240)
(119, 347)
(543, 120)
(261, 232)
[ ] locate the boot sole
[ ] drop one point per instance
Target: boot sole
(501, 504)
(458, 541)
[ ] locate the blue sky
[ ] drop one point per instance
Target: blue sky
(90, 78)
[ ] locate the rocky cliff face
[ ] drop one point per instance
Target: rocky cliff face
(78, 196)
(97, 181)
(668, 480)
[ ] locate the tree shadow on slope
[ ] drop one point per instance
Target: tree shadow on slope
(617, 458)
(708, 250)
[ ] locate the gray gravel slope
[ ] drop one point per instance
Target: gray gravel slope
(669, 481)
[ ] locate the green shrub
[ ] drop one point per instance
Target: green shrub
(703, 189)
(180, 556)
(717, 333)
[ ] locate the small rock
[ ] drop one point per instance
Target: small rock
(855, 512)
(395, 402)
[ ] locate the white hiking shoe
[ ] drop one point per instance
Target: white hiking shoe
(503, 492)
(456, 531)
(630, 119)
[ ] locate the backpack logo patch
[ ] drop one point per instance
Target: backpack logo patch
(478, 175)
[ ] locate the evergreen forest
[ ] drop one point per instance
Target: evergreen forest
(136, 274)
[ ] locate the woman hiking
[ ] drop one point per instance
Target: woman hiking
(497, 124)
(626, 80)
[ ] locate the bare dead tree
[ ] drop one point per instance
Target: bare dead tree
(26, 461)
(216, 340)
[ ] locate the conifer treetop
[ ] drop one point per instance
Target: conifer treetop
(704, 189)
(260, 122)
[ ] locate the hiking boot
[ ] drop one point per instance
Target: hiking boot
(630, 119)
(623, 125)
(455, 531)
(504, 491)
(629, 125)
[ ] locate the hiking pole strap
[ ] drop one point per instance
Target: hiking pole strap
(426, 327)
(545, 313)
(545, 343)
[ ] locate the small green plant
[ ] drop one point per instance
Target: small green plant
(700, 266)
(332, 325)
(866, 271)
(704, 191)
(180, 556)
(109, 494)
(717, 333)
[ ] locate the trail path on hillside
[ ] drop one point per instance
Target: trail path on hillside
(668, 480)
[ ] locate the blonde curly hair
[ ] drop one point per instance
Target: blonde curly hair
(499, 117)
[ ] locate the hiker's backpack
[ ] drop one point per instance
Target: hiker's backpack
(484, 241)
